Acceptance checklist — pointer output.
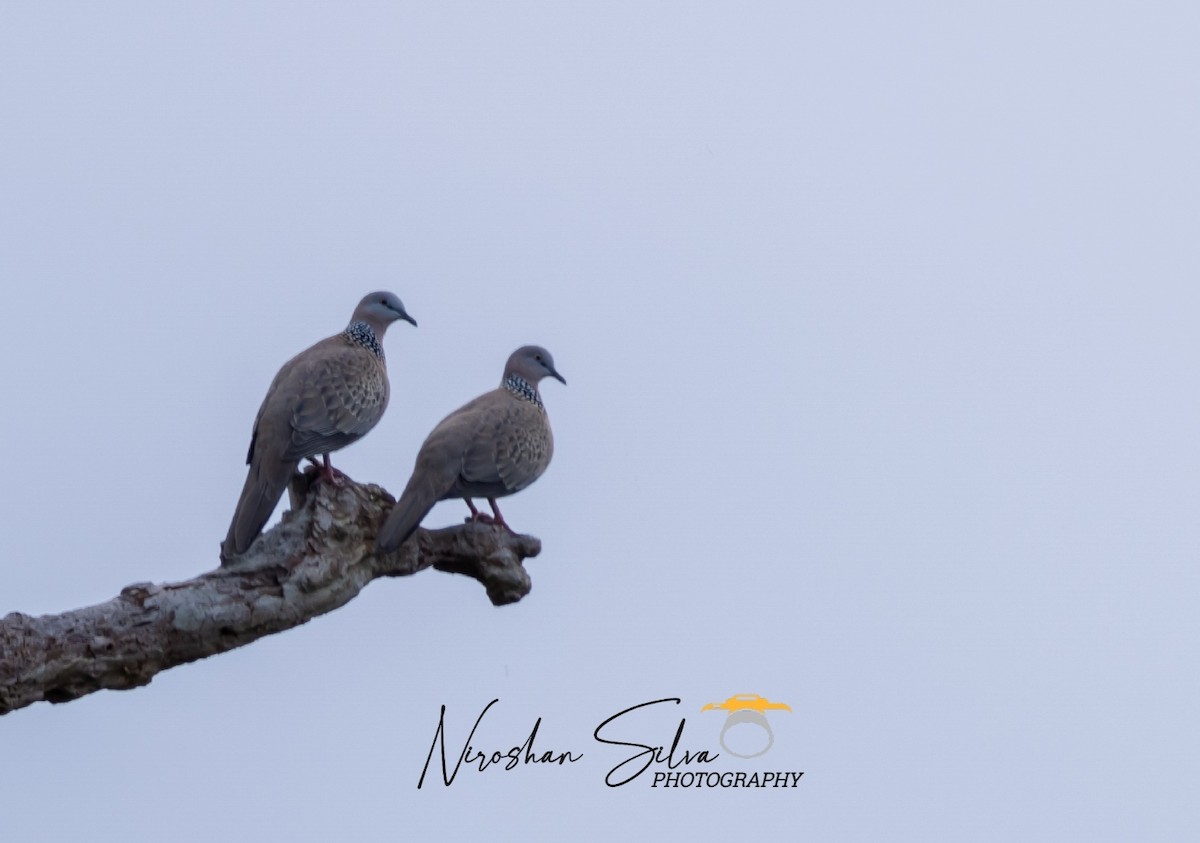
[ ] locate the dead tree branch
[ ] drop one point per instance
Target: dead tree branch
(318, 558)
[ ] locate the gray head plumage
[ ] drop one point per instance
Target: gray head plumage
(531, 363)
(380, 310)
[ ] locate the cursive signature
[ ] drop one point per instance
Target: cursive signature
(470, 755)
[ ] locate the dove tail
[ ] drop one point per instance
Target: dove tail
(264, 487)
(418, 498)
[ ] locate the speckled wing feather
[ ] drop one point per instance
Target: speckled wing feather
(493, 446)
(321, 400)
(511, 446)
(341, 395)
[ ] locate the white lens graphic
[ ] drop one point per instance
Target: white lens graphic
(746, 715)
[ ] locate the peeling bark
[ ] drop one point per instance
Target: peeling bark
(318, 558)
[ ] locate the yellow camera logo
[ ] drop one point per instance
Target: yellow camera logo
(747, 708)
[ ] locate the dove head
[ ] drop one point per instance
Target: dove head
(380, 310)
(531, 363)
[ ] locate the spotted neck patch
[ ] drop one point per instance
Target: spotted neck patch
(523, 389)
(360, 333)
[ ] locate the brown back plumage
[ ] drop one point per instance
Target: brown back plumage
(493, 446)
(323, 399)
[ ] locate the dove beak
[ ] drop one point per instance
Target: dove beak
(554, 374)
(404, 315)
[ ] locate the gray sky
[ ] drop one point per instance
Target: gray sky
(880, 328)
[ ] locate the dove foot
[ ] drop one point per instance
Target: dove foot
(497, 518)
(328, 473)
(477, 517)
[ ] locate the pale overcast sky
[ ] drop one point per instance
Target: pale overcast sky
(880, 327)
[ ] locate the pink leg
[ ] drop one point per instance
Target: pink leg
(475, 515)
(498, 518)
(328, 472)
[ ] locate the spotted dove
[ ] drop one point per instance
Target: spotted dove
(323, 399)
(491, 447)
